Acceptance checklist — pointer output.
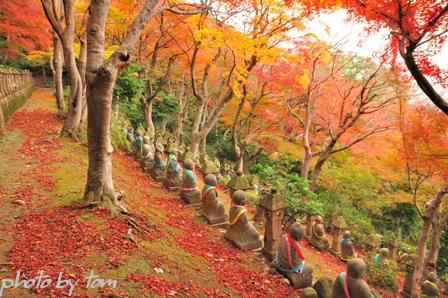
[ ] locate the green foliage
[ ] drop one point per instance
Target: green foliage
(128, 92)
(219, 144)
(442, 263)
(165, 109)
(403, 214)
(119, 133)
(383, 276)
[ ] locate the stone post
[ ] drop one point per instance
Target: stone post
(408, 284)
(339, 224)
(309, 226)
(274, 207)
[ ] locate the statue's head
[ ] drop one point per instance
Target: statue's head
(384, 252)
(160, 147)
(210, 179)
(319, 219)
(356, 268)
(189, 164)
(346, 234)
(239, 197)
(432, 277)
(296, 231)
(173, 151)
(146, 140)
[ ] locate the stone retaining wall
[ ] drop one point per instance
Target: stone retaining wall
(15, 88)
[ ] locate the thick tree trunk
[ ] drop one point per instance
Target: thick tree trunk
(57, 77)
(100, 83)
(431, 211)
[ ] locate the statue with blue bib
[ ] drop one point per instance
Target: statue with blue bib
(190, 192)
(173, 171)
(290, 261)
(158, 171)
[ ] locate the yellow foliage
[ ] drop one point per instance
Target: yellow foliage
(304, 79)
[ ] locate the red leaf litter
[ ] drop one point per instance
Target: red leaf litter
(40, 143)
(167, 288)
(224, 261)
(61, 243)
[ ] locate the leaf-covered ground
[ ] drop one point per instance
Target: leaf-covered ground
(42, 178)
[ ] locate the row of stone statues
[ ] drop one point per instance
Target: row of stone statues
(239, 230)
(283, 249)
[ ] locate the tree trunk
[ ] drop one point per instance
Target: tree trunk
(100, 83)
(82, 73)
(317, 171)
(431, 211)
(306, 164)
(57, 77)
(71, 124)
(179, 125)
(433, 254)
(203, 146)
(147, 108)
(44, 74)
(437, 226)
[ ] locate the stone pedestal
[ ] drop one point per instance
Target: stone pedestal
(239, 182)
(274, 207)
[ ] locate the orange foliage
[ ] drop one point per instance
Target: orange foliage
(23, 26)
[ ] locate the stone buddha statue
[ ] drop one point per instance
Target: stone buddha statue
(189, 191)
(351, 284)
(429, 286)
(240, 231)
(147, 154)
(130, 135)
(308, 293)
(381, 257)
(173, 172)
(318, 239)
(324, 287)
(182, 151)
(290, 261)
(158, 171)
(347, 248)
(208, 166)
(138, 144)
(212, 208)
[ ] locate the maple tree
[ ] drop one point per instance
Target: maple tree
(18, 28)
(101, 76)
(424, 153)
(417, 32)
(231, 56)
(61, 16)
(336, 101)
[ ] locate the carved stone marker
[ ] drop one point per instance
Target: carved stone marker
(274, 207)
(339, 225)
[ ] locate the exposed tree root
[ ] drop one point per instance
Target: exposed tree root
(115, 203)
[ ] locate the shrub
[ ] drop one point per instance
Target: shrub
(382, 276)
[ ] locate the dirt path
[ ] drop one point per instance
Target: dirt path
(182, 257)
